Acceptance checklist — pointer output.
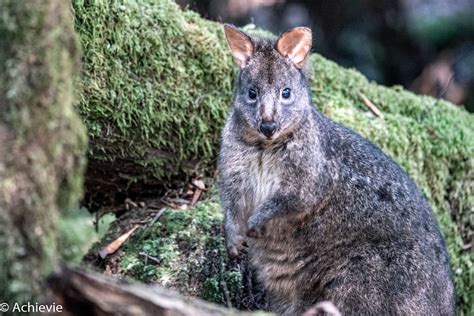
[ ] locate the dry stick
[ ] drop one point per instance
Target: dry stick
(371, 106)
(180, 201)
(226, 294)
(130, 202)
(139, 222)
(154, 259)
(158, 215)
(96, 224)
(169, 204)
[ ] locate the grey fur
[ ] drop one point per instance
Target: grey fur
(327, 215)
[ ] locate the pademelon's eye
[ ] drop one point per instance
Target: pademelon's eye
(252, 94)
(286, 93)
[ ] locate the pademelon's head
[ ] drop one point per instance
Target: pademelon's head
(272, 92)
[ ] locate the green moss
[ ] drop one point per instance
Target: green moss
(211, 290)
(178, 240)
(76, 233)
(189, 246)
(136, 55)
(157, 82)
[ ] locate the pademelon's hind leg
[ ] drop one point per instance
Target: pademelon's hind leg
(371, 286)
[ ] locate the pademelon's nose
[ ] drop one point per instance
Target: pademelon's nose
(268, 128)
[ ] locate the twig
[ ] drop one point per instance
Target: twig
(226, 294)
(180, 201)
(158, 215)
(371, 106)
(154, 259)
(154, 205)
(129, 202)
(173, 206)
(139, 222)
(96, 224)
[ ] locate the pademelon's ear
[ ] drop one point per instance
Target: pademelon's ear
(295, 44)
(240, 44)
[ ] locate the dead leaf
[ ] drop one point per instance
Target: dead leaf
(199, 184)
(196, 196)
(117, 243)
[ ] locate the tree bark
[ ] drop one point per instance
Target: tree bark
(42, 140)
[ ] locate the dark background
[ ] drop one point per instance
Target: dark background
(426, 46)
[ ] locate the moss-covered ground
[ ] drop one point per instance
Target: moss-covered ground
(187, 254)
(157, 82)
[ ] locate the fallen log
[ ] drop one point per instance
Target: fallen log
(157, 82)
(82, 292)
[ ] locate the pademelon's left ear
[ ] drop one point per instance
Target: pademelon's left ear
(240, 44)
(295, 44)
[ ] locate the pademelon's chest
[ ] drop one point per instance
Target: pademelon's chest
(263, 178)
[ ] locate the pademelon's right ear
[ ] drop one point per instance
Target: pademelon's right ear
(295, 44)
(240, 44)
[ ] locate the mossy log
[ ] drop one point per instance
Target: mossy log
(42, 139)
(157, 83)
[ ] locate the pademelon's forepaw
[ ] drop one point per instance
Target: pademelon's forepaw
(256, 229)
(236, 246)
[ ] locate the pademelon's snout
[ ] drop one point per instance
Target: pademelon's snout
(268, 128)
